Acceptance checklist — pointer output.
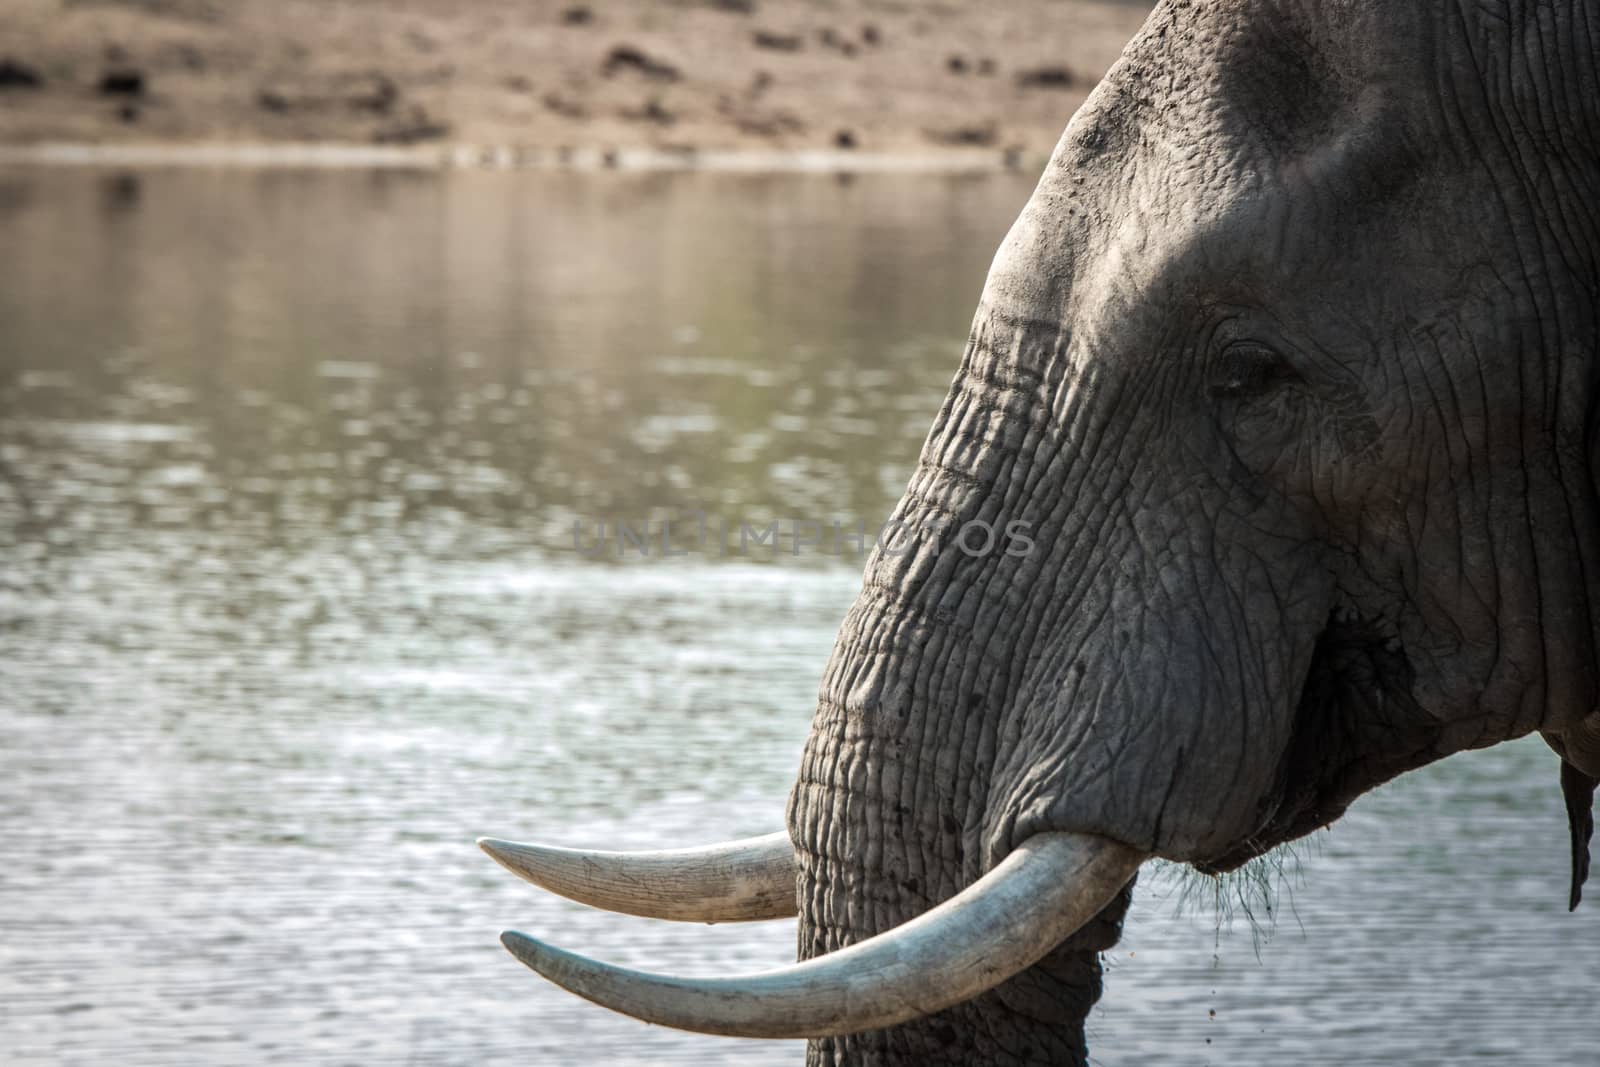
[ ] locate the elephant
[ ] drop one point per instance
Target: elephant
(1291, 368)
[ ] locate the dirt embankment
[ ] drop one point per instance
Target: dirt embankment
(893, 76)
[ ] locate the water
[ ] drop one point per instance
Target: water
(289, 613)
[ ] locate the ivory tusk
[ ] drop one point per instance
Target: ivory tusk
(1002, 924)
(735, 881)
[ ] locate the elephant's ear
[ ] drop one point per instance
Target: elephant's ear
(1578, 788)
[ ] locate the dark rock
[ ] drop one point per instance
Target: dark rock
(845, 139)
(769, 124)
(188, 57)
(870, 35)
(578, 15)
(733, 7)
(200, 11)
(567, 109)
(15, 75)
(974, 136)
(652, 111)
(760, 83)
(831, 39)
(128, 113)
(1047, 78)
(778, 42)
(625, 57)
(378, 95)
(372, 92)
(122, 82)
(416, 126)
(956, 64)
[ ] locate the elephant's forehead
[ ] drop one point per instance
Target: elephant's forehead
(1226, 150)
(1254, 79)
(1219, 98)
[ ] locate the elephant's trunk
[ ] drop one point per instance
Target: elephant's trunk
(932, 688)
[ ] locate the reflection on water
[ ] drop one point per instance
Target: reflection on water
(289, 613)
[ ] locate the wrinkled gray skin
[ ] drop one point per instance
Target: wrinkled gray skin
(1290, 363)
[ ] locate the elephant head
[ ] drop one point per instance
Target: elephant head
(1285, 383)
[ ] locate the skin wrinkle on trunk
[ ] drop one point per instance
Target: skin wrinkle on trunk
(947, 691)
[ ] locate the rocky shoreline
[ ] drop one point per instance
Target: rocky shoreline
(725, 84)
(509, 157)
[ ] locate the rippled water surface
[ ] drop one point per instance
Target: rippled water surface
(290, 612)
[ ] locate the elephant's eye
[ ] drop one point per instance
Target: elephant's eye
(1247, 369)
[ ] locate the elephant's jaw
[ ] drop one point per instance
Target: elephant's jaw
(1040, 895)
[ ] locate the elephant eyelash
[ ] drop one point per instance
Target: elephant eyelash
(1249, 369)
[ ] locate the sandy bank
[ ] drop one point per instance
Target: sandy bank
(725, 84)
(506, 157)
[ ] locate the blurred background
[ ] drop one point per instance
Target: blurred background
(543, 77)
(290, 463)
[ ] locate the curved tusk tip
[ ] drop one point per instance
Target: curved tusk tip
(498, 850)
(530, 951)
